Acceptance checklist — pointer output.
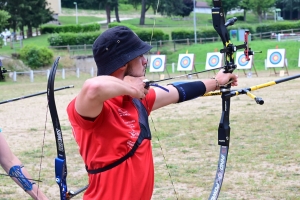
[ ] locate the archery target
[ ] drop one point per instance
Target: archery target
(185, 62)
(157, 63)
(276, 58)
(214, 60)
(241, 62)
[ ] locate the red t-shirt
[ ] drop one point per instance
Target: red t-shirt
(108, 138)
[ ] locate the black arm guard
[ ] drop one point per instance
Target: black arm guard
(189, 90)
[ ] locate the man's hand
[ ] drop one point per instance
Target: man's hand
(138, 86)
(224, 78)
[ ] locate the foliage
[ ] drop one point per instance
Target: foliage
(30, 13)
(4, 16)
(1, 42)
(283, 25)
(144, 34)
(227, 5)
(62, 39)
(176, 8)
(149, 35)
(261, 6)
(113, 24)
(74, 28)
(35, 56)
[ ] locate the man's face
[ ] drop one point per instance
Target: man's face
(137, 67)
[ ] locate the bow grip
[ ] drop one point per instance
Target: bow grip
(147, 83)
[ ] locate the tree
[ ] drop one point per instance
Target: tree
(30, 13)
(107, 5)
(245, 5)
(261, 6)
(164, 7)
(37, 14)
(145, 5)
(291, 6)
(188, 7)
(228, 5)
(176, 8)
(4, 16)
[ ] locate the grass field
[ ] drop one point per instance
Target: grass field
(263, 161)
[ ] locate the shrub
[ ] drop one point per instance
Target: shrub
(50, 28)
(35, 56)
(132, 27)
(61, 39)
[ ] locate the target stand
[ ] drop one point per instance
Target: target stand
(243, 64)
(276, 59)
(214, 61)
(186, 63)
(158, 65)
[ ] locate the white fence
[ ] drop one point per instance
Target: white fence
(31, 74)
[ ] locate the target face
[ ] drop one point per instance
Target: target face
(157, 63)
(276, 58)
(185, 62)
(213, 60)
(241, 62)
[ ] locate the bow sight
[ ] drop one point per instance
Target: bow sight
(221, 27)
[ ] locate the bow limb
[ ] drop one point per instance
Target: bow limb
(60, 160)
(224, 128)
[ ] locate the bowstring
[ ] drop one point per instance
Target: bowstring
(165, 161)
(43, 144)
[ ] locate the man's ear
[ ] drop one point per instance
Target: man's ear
(120, 72)
(124, 67)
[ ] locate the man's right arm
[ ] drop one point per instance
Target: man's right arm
(95, 91)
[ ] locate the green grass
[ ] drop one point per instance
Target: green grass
(124, 9)
(65, 20)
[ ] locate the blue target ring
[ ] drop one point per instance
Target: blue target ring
(213, 61)
(185, 62)
(275, 58)
(242, 60)
(157, 63)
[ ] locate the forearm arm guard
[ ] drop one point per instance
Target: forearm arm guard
(189, 90)
(16, 172)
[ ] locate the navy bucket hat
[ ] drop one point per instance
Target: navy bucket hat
(115, 47)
